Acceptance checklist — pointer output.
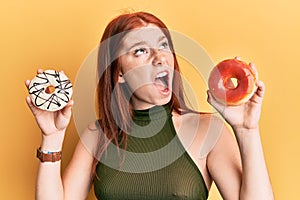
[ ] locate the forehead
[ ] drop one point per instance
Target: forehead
(150, 33)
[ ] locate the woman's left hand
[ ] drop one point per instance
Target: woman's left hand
(246, 115)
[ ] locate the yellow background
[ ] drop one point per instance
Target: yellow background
(61, 33)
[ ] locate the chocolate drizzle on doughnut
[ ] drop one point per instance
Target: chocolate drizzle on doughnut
(62, 85)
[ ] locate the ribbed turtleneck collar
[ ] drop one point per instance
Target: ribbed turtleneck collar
(154, 113)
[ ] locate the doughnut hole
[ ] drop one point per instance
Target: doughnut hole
(231, 83)
(50, 89)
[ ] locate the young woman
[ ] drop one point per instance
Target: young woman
(141, 147)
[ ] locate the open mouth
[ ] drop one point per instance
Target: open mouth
(162, 80)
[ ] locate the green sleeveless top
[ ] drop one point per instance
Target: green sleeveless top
(154, 165)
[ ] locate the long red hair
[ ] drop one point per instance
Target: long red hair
(113, 98)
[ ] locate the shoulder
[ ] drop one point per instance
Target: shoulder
(198, 129)
(90, 137)
(204, 129)
(213, 134)
(202, 122)
(201, 117)
(224, 148)
(211, 127)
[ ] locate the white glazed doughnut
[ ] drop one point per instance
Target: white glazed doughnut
(50, 90)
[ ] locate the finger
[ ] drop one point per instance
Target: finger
(212, 101)
(209, 96)
(39, 71)
(253, 67)
(30, 104)
(260, 88)
(259, 93)
(27, 83)
(67, 110)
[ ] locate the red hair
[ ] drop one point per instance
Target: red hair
(113, 98)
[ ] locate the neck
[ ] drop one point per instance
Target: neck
(153, 113)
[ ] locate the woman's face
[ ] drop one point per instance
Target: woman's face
(147, 65)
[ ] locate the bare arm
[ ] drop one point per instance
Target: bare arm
(255, 179)
(251, 179)
(49, 183)
(77, 177)
(76, 181)
(238, 166)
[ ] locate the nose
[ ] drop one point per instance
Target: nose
(159, 59)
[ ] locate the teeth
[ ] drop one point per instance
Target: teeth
(162, 78)
(162, 74)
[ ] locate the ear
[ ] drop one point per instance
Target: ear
(121, 78)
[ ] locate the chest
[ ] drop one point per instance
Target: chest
(155, 165)
(179, 180)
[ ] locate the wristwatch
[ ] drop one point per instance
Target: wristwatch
(48, 156)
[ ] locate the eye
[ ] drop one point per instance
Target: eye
(140, 51)
(164, 45)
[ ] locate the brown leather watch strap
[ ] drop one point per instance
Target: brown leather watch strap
(49, 156)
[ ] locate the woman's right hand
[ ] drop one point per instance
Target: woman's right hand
(50, 123)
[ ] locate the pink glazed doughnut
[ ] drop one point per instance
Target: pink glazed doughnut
(221, 86)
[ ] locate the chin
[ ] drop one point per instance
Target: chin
(163, 101)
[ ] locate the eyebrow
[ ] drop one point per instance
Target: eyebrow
(144, 42)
